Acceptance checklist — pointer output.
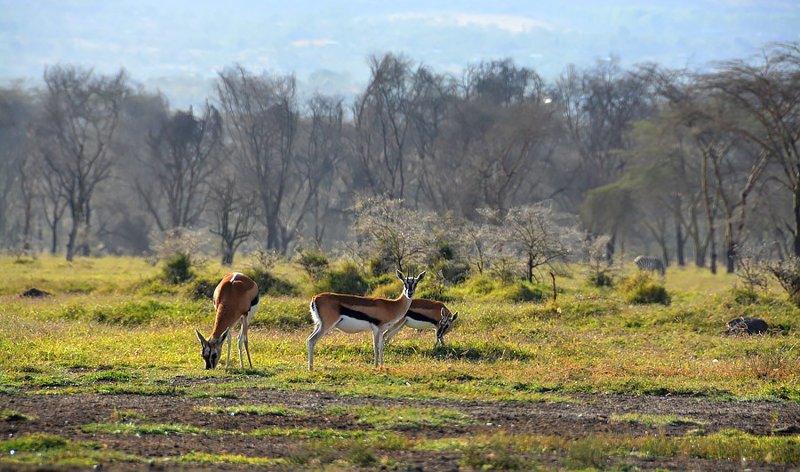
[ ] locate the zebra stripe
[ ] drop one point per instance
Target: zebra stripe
(649, 263)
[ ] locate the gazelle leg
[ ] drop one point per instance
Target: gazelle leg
(319, 332)
(245, 327)
(240, 343)
(228, 361)
(393, 330)
(380, 348)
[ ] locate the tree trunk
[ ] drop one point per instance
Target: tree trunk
(713, 251)
(796, 242)
(227, 253)
(680, 242)
(730, 248)
(530, 268)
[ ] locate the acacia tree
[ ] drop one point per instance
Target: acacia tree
(385, 227)
(81, 113)
(536, 233)
(768, 93)
(181, 160)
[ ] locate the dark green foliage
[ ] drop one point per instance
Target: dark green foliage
(178, 269)
(642, 288)
(201, 289)
(346, 279)
(452, 271)
(271, 285)
(787, 273)
(315, 264)
(382, 263)
(600, 278)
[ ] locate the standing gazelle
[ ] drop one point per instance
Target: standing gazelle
(353, 314)
(235, 298)
(426, 314)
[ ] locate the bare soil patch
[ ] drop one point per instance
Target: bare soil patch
(584, 414)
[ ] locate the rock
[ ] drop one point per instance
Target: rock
(34, 292)
(746, 325)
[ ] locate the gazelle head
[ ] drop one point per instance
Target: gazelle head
(211, 349)
(410, 283)
(445, 325)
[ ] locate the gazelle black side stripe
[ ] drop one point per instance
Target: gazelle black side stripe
(420, 317)
(349, 312)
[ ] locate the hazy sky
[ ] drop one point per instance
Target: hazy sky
(178, 45)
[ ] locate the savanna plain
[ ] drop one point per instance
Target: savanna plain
(106, 371)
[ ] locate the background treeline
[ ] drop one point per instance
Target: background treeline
(691, 166)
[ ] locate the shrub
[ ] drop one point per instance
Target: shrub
(600, 278)
(642, 288)
(452, 271)
(787, 273)
(346, 279)
(380, 264)
(271, 285)
(201, 289)
(178, 269)
(314, 263)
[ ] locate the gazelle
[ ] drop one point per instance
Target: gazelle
(426, 314)
(235, 298)
(353, 314)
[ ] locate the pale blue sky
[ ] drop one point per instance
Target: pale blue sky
(178, 45)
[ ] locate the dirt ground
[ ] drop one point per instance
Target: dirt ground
(584, 414)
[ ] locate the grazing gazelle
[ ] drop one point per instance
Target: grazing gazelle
(353, 314)
(235, 298)
(426, 314)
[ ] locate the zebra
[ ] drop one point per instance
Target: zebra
(649, 263)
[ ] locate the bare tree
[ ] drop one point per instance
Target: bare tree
(261, 119)
(81, 116)
(234, 213)
(381, 140)
(324, 152)
(179, 165)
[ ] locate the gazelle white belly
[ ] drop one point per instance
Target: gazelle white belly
(352, 325)
(416, 324)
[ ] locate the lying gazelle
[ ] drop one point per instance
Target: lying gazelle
(426, 314)
(353, 314)
(235, 298)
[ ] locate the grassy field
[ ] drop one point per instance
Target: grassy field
(651, 379)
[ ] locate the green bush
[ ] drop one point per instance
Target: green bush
(178, 269)
(452, 271)
(382, 263)
(600, 278)
(346, 279)
(642, 288)
(314, 263)
(271, 285)
(489, 289)
(201, 289)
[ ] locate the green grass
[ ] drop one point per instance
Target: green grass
(253, 410)
(403, 418)
(37, 449)
(14, 415)
(653, 420)
(111, 328)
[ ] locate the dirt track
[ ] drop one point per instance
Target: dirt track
(63, 414)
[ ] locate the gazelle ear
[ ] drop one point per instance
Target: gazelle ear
(224, 335)
(400, 275)
(444, 313)
(421, 276)
(200, 337)
(454, 317)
